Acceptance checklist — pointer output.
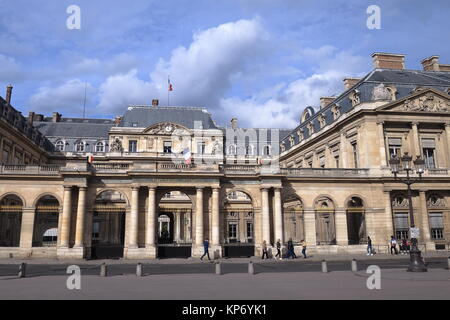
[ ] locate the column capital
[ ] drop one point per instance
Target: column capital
(83, 188)
(264, 189)
(134, 188)
(214, 189)
(414, 123)
(67, 187)
(152, 188)
(198, 188)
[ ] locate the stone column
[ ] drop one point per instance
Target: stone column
(81, 212)
(382, 148)
(265, 215)
(415, 148)
(177, 226)
(133, 240)
(424, 224)
(343, 151)
(309, 218)
(447, 131)
(389, 217)
(199, 218)
(66, 217)
(278, 216)
(27, 228)
(151, 219)
(215, 217)
(341, 227)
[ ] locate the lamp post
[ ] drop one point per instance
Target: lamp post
(416, 263)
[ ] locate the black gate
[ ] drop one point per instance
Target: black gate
(174, 251)
(106, 251)
(239, 250)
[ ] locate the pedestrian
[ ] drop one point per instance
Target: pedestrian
(369, 246)
(291, 252)
(264, 250)
(393, 244)
(303, 244)
(279, 250)
(206, 248)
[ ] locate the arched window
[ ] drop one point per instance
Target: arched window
(232, 150)
(100, 147)
(59, 145)
(80, 146)
(266, 150)
(249, 150)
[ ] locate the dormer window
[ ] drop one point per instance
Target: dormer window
(249, 150)
(322, 121)
(355, 97)
(232, 150)
(59, 145)
(291, 140)
(310, 128)
(266, 150)
(336, 110)
(300, 135)
(80, 146)
(100, 147)
(283, 147)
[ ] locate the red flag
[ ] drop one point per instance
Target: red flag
(170, 85)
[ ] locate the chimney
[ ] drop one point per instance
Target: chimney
(155, 102)
(56, 117)
(234, 123)
(30, 117)
(117, 120)
(8, 94)
(324, 101)
(431, 63)
(38, 117)
(350, 82)
(388, 60)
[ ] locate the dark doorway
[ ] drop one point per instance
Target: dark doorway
(108, 235)
(355, 227)
(174, 251)
(238, 250)
(165, 228)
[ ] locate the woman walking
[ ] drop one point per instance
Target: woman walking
(264, 250)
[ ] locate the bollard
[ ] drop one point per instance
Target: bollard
(22, 270)
(139, 270)
(354, 266)
(218, 268)
(324, 266)
(251, 269)
(448, 263)
(103, 270)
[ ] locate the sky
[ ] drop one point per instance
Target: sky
(261, 61)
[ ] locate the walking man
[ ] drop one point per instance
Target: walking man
(264, 250)
(206, 248)
(291, 252)
(303, 244)
(393, 244)
(279, 250)
(369, 247)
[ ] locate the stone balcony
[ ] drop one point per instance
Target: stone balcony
(30, 169)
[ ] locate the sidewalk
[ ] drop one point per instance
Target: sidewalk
(316, 257)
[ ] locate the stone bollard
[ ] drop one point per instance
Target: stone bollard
(448, 263)
(103, 270)
(354, 266)
(218, 268)
(251, 268)
(139, 270)
(22, 270)
(324, 266)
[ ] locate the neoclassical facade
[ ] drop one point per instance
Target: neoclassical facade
(158, 181)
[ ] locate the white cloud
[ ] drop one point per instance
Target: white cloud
(67, 97)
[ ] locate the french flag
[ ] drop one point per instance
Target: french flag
(170, 85)
(187, 156)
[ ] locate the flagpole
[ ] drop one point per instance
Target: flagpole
(168, 90)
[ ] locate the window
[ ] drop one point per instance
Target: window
(428, 147)
(100, 147)
(132, 146)
(249, 150)
(395, 147)
(232, 150)
(167, 147)
(437, 226)
(249, 231)
(266, 150)
(355, 154)
(201, 148)
(401, 225)
(80, 146)
(232, 231)
(96, 231)
(59, 145)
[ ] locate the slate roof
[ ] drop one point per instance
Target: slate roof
(145, 116)
(74, 129)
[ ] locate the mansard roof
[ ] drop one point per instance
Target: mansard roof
(145, 116)
(90, 128)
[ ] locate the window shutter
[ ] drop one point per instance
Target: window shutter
(436, 220)
(401, 221)
(395, 141)
(428, 143)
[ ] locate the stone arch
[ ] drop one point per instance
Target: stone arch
(99, 192)
(46, 217)
(324, 207)
(12, 193)
(350, 197)
(45, 194)
(307, 114)
(238, 208)
(293, 218)
(11, 208)
(356, 220)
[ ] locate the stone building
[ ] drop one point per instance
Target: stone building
(158, 181)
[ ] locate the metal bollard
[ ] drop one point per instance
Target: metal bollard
(218, 268)
(103, 270)
(324, 266)
(251, 268)
(354, 266)
(139, 270)
(22, 270)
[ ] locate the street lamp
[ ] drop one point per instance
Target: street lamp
(416, 263)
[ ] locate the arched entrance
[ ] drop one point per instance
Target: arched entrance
(108, 225)
(238, 227)
(174, 225)
(10, 221)
(325, 221)
(46, 222)
(356, 225)
(293, 220)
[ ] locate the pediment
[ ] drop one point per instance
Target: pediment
(167, 129)
(425, 101)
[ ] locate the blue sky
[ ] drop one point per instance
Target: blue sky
(262, 61)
